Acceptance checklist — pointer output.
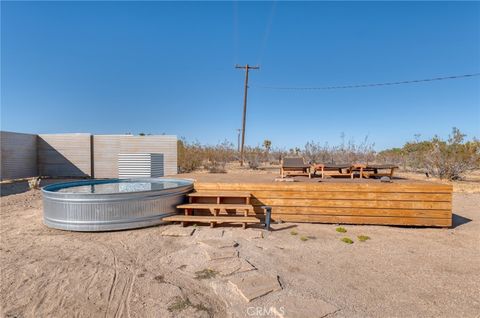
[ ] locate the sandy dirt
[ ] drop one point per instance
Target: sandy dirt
(399, 272)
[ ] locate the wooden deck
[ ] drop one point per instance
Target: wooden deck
(397, 203)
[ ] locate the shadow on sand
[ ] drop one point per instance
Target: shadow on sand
(458, 220)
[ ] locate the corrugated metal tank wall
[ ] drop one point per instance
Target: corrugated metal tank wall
(107, 148)
(64, 155)
(18, 155)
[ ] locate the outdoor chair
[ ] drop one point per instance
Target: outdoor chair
(294, 166)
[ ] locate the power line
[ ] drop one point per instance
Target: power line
(266, 34)
(371, 84)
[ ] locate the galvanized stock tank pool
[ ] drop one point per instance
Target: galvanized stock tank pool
(114, 204)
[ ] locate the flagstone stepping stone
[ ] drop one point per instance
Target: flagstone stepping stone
(218, 243)
(227, 252)
(178, 231)
(208, 233)
(255, 285)
(229, 266)
(248, 234)
(298, 306)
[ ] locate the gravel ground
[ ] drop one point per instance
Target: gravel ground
(399, 272)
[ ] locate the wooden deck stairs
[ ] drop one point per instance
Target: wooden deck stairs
(216, 207)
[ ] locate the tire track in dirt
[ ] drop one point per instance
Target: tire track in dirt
(123, 281)
(113, 284)
(129, 295)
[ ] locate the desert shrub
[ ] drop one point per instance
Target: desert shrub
(189, 156)
(217, 156)
(34, 183)
(447, 159)
(254, 156)
(393, 156)
(451, 159)
(341, 229)
(363, 238)
(253, 164)
(277, 154)
(346, 152)
(347, 240)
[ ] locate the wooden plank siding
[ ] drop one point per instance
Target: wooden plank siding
(397, 203)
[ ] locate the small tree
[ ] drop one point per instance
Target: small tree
(267, 144)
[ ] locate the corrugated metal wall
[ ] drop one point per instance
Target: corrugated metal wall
(70, 155)
(18, 155)
(107, 148)
(64, 155)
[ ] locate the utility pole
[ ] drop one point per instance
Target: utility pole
(238, 139)
(246, 68)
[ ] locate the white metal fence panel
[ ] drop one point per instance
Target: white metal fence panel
(138, 165)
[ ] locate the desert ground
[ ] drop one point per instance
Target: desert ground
(399, 272)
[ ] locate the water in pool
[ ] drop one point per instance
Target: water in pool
(123, 186)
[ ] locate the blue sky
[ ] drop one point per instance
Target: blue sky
(163, 67)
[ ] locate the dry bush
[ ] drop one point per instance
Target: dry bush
(453, 158)
(216, 157)
(277, 154)
(189, 156)
(450, 159)
(254, 157)
(349, 152)
(393, 156)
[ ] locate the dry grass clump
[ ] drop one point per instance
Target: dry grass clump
(341, 229)
(34, 183)
(363, 238)
(347, 240)
(179, 304)
(205, 274)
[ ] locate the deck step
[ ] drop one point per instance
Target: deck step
(211, 218)
(221, 194)
(216, 206)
